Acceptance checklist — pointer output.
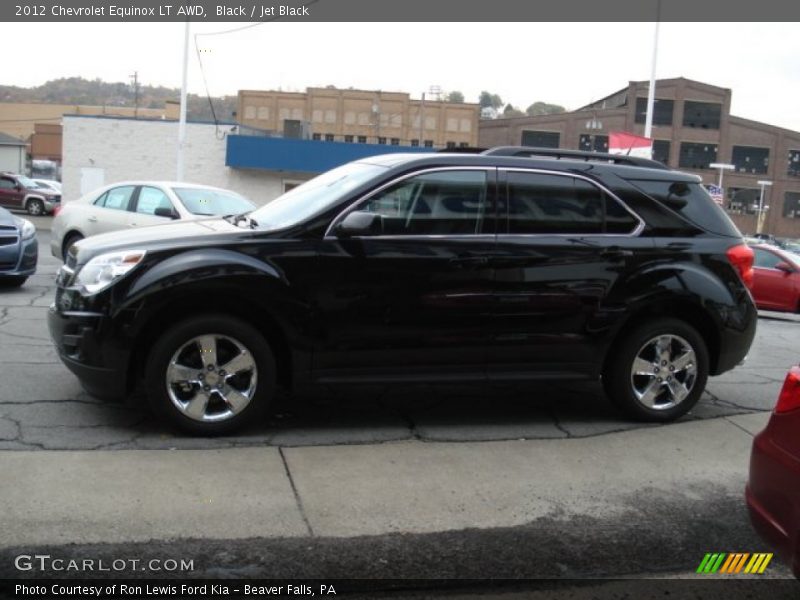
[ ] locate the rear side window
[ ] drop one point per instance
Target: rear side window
(692, 202)
(116, 198)
(539, 203)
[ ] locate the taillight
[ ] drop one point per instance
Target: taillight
(789, 398)
(742, 257)
(56, 209)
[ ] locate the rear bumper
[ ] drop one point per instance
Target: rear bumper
(773, 498)
(78, 337)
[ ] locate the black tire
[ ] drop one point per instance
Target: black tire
(623, 386)
(165, 398)
(35, 207)
(71, 239)
(12, 282)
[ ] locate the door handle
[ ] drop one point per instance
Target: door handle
(471, 260)
(615, 252)
(92, 219)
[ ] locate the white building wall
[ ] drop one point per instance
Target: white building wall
(12, 158)
(128, 149)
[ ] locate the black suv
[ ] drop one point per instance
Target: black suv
(512, 264)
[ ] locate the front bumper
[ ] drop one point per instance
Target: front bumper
(19, 260)
(79, 340)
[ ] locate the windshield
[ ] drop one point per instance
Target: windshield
(314, 196)
(204, 201)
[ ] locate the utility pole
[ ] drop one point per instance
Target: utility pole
(182, 120)
(651, 92)
(421, 118)
(135, 78)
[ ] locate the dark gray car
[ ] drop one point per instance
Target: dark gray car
(19, 249)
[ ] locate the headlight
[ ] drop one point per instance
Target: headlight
(105, 269)
(27, 228)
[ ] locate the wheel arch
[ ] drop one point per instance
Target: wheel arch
(183, 306)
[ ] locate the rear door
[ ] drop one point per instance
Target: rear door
(563, 244)
(9, 195)
(109, 212)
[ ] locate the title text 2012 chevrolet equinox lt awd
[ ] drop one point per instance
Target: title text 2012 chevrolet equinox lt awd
(507, 265)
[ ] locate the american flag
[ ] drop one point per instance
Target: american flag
(716, 194)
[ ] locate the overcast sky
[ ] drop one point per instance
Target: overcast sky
(564, 63)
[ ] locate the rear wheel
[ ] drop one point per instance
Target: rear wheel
(658, 371)
(69, 241)
(210, 375)
(35, 207)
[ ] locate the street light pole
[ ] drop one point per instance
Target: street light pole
(722, 167)
(651, 93)
(182, 119)
(761, 209)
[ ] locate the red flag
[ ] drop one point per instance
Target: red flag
(620, 142)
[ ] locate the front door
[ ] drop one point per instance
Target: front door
(414, 301)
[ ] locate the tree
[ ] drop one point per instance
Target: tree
(512, 111)
(543, 108)
(488, 100)
(455, 96)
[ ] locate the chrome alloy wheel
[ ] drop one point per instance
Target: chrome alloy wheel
(664, 372)
(211, 378)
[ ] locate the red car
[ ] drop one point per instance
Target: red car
(773, 491)
(776, 279)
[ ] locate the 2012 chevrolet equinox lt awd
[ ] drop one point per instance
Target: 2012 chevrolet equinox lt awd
(512, 264)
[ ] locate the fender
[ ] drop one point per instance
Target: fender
(33, 197)
(194, 266)
(686, 279)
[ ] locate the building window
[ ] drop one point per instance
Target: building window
(363, 118)
(316, 136)
(328, 137)
(452, 124)
(330, 116)
(791, 205)
(395, 141)
(697, 155)
(593, 143)
(430, 122)
(702, 115)
(249, 112)
(381, 140)
(451, 144)
(348, 139)
(349, 118)
(465, 125)
(316, 116)
(541, 139)
(463, 144)
(661, 151)
(750, 159)
(793, 169)
(415, 142)
(742, 201)
(662, 111)
(362, 139)
(429, 143)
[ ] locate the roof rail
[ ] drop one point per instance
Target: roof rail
(531, 152)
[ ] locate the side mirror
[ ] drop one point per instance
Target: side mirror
(360, 223)
(162, 211)
(785, 267)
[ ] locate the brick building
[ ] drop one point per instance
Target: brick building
(692, 128)
(361, 116)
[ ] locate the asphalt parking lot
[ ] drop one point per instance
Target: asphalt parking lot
(683, 481)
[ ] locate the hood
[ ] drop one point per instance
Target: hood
(7, 219)
(168, 235)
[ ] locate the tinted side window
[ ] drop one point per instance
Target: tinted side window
(117, 198)
(540, 203)
(765, 259)
(692, 202)
(441, 203)
(150, 199)
(7, 184)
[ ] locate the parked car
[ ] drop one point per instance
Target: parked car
(139, 204)
(513, 264)
(773, 489)
(48, 184)
(19, 249)
(20, 193)
(776, 279)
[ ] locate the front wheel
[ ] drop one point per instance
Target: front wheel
(210, 375)
(658, 371)
(35, 207)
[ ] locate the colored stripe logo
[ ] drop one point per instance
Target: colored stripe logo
(734, 563)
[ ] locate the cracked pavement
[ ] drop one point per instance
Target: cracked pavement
(42, 405)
